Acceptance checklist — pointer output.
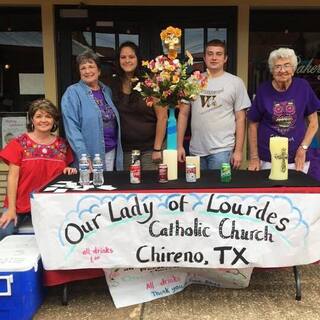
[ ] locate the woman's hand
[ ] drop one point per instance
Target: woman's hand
(156, 156)
(300, 159)
(254, 164)
(69, 170)
(7, 217)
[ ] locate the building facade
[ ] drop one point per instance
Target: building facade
(39, 40)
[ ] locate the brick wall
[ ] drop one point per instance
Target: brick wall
(3, 187)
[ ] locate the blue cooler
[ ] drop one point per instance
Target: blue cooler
(21, 289)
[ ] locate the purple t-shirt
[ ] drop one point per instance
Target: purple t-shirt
(282, 114)
(109, 120)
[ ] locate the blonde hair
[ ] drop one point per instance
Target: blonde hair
(282, 53)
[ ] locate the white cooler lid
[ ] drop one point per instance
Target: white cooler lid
(19, 253)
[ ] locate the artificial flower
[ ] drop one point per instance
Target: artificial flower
(166, 81)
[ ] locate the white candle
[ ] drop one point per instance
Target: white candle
(279, 158)
(196, 161)
(170, 158)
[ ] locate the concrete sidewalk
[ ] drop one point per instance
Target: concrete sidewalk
(271, 295)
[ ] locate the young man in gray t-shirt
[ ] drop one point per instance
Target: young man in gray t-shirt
(217, 115)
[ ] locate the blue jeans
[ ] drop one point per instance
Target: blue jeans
(11, 228)
(214, 161)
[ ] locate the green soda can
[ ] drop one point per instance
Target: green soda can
(225, 172)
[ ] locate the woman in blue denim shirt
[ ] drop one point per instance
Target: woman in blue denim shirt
(90, 119)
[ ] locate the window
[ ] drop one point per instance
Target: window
(104, 28)
(195, 40)
(21, 58)
(271, 30)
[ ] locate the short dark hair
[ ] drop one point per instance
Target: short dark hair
(216, 43)
(87, 56)
(43, 105)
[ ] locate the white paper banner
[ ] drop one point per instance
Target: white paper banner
(197, 230)
(132, 286)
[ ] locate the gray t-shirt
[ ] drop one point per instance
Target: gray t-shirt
(213, 115)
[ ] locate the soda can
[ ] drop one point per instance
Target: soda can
(163, 173)
(225, 172)
(191, 173)
(135, 173)
(135, 157)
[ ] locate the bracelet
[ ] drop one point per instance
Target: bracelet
(157, 150)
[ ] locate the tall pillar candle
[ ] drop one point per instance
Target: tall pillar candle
(279, 158)
(170, 158)
(196, 161)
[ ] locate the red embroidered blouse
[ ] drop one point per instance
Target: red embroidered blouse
(39, 163)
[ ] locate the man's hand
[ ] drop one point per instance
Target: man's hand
(181, 154)
(236, 159)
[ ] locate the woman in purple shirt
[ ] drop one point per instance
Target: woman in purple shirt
(91, 121)
(281, 108)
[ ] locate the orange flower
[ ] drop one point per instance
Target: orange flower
(175, 79)
(169, 32)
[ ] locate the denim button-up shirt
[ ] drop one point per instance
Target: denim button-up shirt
(83, 122)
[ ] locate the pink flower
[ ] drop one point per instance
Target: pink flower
(148, 83)
(204, 82)
(197, 75)
(159, 79)
(151, 64)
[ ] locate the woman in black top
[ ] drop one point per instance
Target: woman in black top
(142, 127)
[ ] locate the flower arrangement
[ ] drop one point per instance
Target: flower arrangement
(166, 81)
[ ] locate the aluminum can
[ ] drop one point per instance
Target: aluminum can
(163, 173)
(191, 173)
(135, 173)
(225, 172)
(135, 157)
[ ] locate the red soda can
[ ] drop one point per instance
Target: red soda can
(163, 173)
(135, 173)
(191, 173)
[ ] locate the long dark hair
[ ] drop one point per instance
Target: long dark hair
(120, 74)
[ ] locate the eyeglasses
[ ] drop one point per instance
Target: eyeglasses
(285, 67)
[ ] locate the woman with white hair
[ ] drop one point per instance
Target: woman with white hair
(281, 108)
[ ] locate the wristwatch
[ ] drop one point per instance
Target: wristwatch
(304, 147)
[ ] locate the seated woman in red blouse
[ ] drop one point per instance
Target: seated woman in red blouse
(34, 158)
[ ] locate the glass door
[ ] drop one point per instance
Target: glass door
(104, 28)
